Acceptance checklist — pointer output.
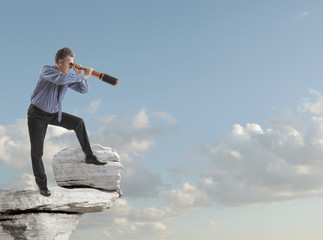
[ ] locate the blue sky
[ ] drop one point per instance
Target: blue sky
(217, 116)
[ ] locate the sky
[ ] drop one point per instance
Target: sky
(217, 116)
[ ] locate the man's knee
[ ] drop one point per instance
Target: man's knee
(79, 123)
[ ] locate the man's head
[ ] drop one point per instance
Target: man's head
(64, 60)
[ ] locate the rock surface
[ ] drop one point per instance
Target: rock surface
(38, 226)
(76, 200)
(70, 169)
(27, 215)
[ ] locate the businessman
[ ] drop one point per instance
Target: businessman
(46, 109)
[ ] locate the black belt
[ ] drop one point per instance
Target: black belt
(41, 111)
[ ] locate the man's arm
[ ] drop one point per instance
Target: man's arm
(51, 74)
(82, 86)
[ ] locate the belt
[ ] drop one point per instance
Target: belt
(41, 111)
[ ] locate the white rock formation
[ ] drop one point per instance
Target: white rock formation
(70, 169)
(76, 200)
(27, 215)
(38, 226)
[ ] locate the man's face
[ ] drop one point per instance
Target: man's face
(65, 67)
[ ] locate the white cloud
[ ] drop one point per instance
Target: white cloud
(126, 222)
(15, 145)
(177, 203)
(129, 135)
(134, 181)
(250, 165)
(25, 180)
(92, 109)
(167, 117)
(133, 137)
(94, 106)
(14, 142)
(253, 165)
(303, 14)
(314, 107)
(141, 146)
(125, 229)
(141, 120)
(184, 201)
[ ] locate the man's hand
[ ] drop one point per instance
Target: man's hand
(77, 67)
(88, 72)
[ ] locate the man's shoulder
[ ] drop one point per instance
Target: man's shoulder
(48, 69)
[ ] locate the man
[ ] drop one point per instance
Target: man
(46, 108)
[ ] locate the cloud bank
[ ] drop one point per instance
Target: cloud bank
(249, 165)
(132, 136)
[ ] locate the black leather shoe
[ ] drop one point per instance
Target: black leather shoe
(45, 192)
(93, 160)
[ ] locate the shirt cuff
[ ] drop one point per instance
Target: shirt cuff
(80, 77)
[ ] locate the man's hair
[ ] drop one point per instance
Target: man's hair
(63, 53)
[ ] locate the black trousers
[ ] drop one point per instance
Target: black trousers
(38, 120)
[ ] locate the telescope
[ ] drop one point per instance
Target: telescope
(104, 77)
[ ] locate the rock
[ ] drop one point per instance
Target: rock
(27, 215)
(70, 169)
(38, 226)
(76, 200)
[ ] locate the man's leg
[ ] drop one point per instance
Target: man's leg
(77, 124)
(71, 122)
(37, 131)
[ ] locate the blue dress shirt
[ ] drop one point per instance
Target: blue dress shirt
(52, 86)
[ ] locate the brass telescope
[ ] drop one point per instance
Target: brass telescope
(104, 77)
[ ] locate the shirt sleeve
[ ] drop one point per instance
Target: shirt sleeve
(80, 87)
(51, 74)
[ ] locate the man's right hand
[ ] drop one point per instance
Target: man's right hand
(88, 72)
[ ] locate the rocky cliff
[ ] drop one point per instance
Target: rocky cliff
(84, 188)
